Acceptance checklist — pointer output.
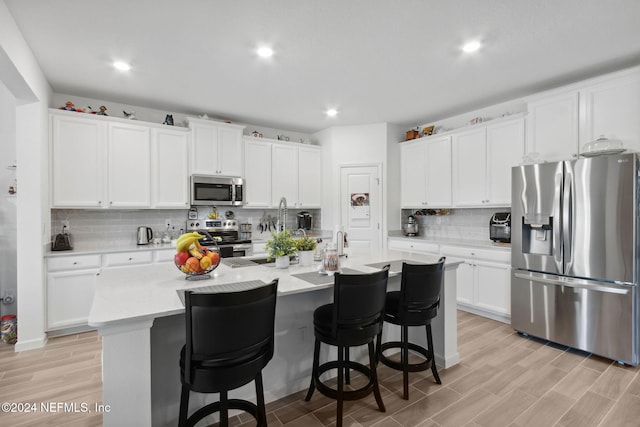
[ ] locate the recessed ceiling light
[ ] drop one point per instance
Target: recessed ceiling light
(122, 66)
(265, 52)
(332, 112)
(471, 46)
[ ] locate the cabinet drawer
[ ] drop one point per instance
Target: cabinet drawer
(77, 262)
(164, 255)
(500, 256)
(127, 258)
(413, 246)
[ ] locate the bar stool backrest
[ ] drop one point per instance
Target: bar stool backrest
(224, 328)
(420, 290)
(358, 306)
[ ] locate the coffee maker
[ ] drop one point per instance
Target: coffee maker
(305, 220)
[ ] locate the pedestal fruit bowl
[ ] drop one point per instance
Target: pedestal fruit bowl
(194, 260)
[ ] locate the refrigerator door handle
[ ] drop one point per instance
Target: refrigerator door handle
(568, 201)
(557, 245)
(576, 283)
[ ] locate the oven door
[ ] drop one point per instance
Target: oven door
(235, 250)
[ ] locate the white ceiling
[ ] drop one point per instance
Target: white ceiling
(373, 60)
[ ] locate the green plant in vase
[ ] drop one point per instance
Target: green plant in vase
(306, 244)
(281, 244)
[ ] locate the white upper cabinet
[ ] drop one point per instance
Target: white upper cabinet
(553, 126)
(469, 168)
(426, 173)
(106, 162)
(77, 167)
(257, 173)
(482, 162)
(274, 169)
(169, 169)
(309, 173)
(284, 174)
(216, 148)
(560, 122)
(129, 166)
(505, 148)
(612, 108)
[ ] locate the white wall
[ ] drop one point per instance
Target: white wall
(23, 78)
(157, 116)
(351, 145)
(8, 224)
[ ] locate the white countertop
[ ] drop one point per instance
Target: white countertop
(487, 244)
(145, 292)
(107, 247)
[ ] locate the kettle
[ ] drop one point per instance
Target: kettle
(144, 235)
(411, 227)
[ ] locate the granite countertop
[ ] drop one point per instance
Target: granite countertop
(487, 244)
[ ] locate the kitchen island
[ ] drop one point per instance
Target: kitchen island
(139, 314)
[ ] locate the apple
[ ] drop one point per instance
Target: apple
(180, 258)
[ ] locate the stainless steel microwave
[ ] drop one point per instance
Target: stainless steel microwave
(209, 190)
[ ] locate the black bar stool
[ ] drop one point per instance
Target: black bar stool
(229, 341)
(354, 318)
(415, 304)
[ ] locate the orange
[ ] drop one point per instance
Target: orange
(192, 265)
(205, 262)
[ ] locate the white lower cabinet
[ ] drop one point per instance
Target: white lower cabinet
(72, 280)
(413, 246)
(483, 281)
(71, 284)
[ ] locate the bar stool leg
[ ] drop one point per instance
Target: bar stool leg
(374, 377)
(184, 406)
(434, 370)
(341, 352)
(405, 362)
(224, 409)
(262, 411)
(314, 370)
(347, 377)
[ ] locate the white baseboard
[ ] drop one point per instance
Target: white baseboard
(32, 344)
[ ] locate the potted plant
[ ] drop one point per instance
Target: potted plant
(280, 247)
(306, 247)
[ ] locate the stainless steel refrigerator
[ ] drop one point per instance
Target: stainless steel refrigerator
(574, 254)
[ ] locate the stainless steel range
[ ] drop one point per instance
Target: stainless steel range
(224, 233)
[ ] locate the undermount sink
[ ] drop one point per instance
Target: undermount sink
(271, 261)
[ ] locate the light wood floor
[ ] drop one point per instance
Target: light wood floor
(503, 380)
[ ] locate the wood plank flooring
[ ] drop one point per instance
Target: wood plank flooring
(503, 380)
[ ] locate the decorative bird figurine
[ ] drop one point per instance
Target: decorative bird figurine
(130, 116)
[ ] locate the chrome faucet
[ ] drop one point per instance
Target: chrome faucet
(282, 215)
(304, 233)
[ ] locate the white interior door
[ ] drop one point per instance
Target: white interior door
(361, 207)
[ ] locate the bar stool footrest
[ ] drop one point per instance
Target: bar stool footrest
(242, 405)
(346, 394)
(411, 367)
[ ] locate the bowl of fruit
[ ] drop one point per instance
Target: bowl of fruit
(193, 259)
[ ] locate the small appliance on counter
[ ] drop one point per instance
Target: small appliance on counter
(305, 220)
(410, 228)
(500, 227)
(62, 241)
(144, 235)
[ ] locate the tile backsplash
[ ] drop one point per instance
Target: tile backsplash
(120, 226)
(468, 224)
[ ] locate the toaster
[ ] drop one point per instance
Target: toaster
(500, 227)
